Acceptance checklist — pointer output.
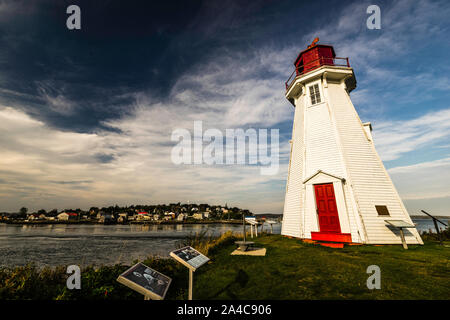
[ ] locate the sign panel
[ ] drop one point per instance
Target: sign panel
(399, 224)
(190, 257)
(251, 220)
(146, 281)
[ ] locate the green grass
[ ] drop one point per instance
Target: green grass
(292, 269)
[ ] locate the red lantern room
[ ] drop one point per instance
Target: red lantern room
(314, 57)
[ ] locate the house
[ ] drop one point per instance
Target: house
(123, 217)
(169, 216)
(143, 215)
(198, 216)
(66, 216)
(107, 219)
(35, 216)
(181, 217)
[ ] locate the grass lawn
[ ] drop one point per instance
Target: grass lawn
(292, 269)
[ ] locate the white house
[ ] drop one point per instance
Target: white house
(198, 216)
(65, 216)
(337, 188)
(143, 215)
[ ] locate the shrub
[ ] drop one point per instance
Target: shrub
(432, 236)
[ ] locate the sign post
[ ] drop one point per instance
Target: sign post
(243, 223)
(191, 283)
(192, 259)
(400, 224)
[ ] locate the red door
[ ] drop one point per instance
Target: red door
(326, 208)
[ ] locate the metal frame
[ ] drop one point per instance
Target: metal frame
(323, 62)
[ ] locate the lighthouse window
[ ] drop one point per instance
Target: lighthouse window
(382, 210)
(314, 93)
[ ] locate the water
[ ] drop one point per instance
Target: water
(427, 224)
(82, 245)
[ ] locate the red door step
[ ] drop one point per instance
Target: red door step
(332, 245)
(331, 236)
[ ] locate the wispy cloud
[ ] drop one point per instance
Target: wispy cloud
(63, 167)
(396, 138)
(424, 185)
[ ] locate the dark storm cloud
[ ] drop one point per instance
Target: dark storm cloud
(74, 80)
(105, 158)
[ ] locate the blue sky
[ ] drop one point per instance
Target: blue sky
(87, 115)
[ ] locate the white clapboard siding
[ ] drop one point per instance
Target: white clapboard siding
(321, 153)
(293, 205)
(370, 182)
(331, 145)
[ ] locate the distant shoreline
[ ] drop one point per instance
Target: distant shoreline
(170, 222)
(429, 218)
(152, 222)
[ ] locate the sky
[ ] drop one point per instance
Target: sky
(86, 116)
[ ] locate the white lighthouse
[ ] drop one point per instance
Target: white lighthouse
(337, 188)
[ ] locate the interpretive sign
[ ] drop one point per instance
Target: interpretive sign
(251, 220)
(145, 280)
(190, 257)
(399, 224)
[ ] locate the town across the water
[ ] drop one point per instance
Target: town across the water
(171, 213)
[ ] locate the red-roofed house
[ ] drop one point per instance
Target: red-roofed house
(66, 216)
(142, 215)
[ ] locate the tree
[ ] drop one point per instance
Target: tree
(93, 211)
(23, 212)
(42, 211)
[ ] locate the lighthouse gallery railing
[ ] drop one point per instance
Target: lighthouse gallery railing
(322, 61)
